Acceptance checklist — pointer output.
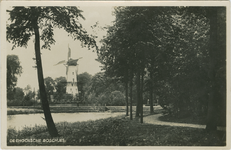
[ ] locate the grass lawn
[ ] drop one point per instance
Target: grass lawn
(119, 131)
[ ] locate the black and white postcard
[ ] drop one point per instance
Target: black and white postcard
(115, 75)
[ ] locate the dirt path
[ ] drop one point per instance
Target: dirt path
(154, 119)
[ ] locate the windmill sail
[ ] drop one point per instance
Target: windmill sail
(61, 62)
(69, 53)
(73, 62)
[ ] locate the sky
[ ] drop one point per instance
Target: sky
(101, 14)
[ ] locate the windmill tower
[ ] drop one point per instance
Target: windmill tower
(71, 74)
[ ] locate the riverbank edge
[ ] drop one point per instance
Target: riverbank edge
(75, 109)
(118, 131)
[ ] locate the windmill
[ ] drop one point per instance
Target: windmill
(71, 74)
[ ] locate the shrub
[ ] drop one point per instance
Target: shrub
(14, 103)
(118, 98)
(21, 103)
(115, 98)
(28, 103)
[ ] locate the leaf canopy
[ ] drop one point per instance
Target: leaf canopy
(20, 31)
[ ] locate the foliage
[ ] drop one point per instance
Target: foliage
(60, 88)
(26, 111)
(68, 98)
(29, 21)
(117, 98)
(14, 103)
(173, 53)
(22, 97)
(84, 80)
(26, 131)
(49, 84)
(29, 96)
(19, 94)
(136, 38)
(91, 98)
(21, 29)
(105, 90)
(29, 102)
(186, 81)
(119, 131)
(13, 70)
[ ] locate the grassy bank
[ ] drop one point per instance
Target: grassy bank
(118, 131)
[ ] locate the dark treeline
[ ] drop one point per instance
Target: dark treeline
(174, 54)
(93, 90)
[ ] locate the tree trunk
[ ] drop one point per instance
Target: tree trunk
(138, 94)
(45, 105)
(151, 94)
(131, 84)
(126, 92)
(211, 116)
(141, 96)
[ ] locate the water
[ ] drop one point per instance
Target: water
(30, 120)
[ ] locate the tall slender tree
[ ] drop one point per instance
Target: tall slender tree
(128, 40)
(13, 70)
(215, 64)
(31, 21)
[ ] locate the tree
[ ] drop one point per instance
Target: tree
(27, 89)
(127, 46)
(49, 84)
(19, 94)
(60, 88)
(28, 98)
(101, 88)
(184, 71)
(117, 98)
(215, 55)
(217, 64)
(84, 81)
(84, 78)
(13, 70)
(98, 83)
(173, 53)
(114, 56)
(29, 21)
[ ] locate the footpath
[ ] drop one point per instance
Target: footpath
(154, 119)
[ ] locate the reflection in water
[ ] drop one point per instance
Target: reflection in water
(30, 120)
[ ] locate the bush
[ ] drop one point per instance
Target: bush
(20, 103)
(115, 98)
(28, 103)
(14, 103)
(118, 98)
